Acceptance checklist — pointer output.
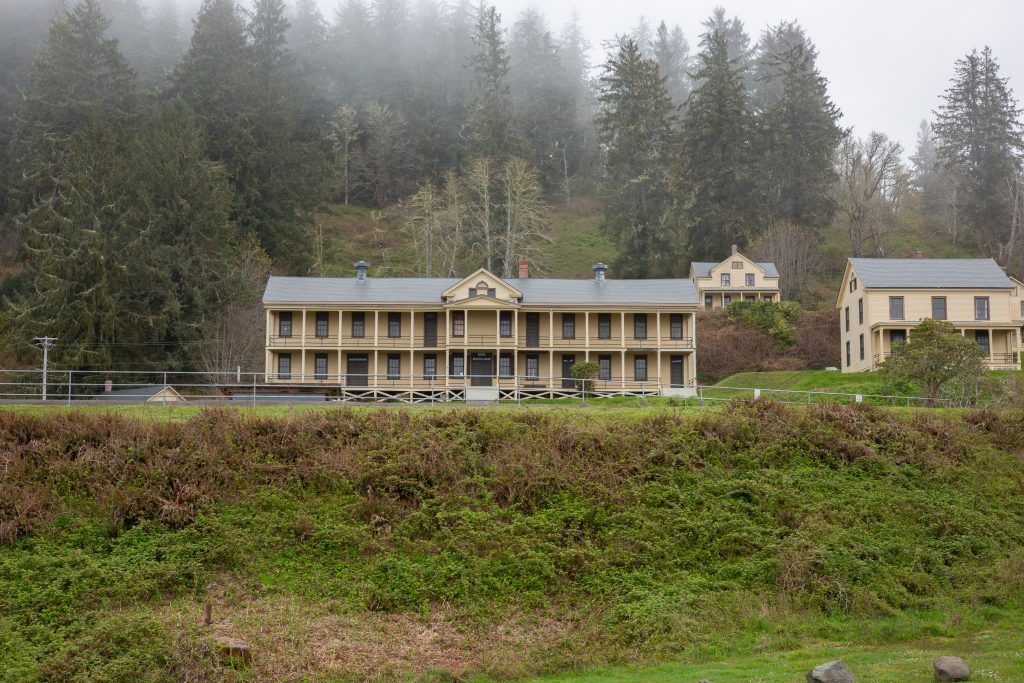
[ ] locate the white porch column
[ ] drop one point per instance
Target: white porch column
(657, 317)
(622, 377)
(302, 355)
(991, 350)
(412, 347)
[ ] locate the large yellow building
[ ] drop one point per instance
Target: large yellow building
(436, 337)
(882, 300)
(737, 278)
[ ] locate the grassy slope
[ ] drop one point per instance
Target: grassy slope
(507, 543)
(350, 234)
(809, 380)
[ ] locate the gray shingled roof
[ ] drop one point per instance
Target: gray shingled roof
(703, 268)
(925, 273)
(428, 290)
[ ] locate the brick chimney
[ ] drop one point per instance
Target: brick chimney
(734, 249)
(524, 269)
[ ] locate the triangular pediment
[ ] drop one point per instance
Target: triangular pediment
(726, 265)
(478, 284)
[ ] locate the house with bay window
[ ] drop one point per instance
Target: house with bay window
(737, 278)
(882, 300)
(480, 335)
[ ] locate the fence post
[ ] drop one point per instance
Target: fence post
(254, 390)
(70, 375)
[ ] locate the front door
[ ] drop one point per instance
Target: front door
(357, 370)
(481, 369)
(676, 370)
(430, 330)
(568, 360)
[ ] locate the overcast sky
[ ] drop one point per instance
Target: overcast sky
(887, 61)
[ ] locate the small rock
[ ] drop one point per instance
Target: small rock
(231, 649)
(832, 672)
(951, 669)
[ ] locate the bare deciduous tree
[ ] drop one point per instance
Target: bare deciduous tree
(343, 135)
(525, 220)
(794, 251)
(872, 184)
(235, 338)
(479, 181)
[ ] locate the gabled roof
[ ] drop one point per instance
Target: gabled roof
(142, 393)
(926, 273)
(703, 268)
(480, 273)
(535, 291)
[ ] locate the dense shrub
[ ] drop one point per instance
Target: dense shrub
(651, 521)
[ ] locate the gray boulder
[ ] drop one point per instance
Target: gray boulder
(833, 672)
(951, 669)
(232, 650)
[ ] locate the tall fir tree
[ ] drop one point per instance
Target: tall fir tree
(636, 126)
(672, 53)
(491, 120)
(798, 132)
(980, 142)
(78, 78)
(716, 136)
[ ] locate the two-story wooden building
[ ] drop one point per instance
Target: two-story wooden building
(882, 300)
(521, 336)
(737, 278)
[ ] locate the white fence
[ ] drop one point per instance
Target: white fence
(67, 387)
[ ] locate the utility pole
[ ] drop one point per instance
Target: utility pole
(46, 343)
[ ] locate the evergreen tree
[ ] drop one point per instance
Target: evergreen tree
(716, 135)
(307, 40)
(491, 120)
(79, 77)
(167, 43)
(737, 42)
(349, 41)
(672, 53)
(541, 97)
(635, 124)
(980, 142)
(798, 132)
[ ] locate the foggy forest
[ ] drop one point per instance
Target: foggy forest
(160, 159)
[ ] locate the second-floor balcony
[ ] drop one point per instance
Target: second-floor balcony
(486, 341)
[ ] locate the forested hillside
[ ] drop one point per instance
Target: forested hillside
(159, 160)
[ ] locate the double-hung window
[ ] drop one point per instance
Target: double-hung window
(640, 326)
(604, 325)
(568, 326)
(848, 354)
(358, 324)
(938, 308)
(458, 323)
(860, 311)
(322, 319)
(458, 365)
(320, 366)
(725, 279)
(394, 366)
(981, 308)
(675, 326)
(394, 325)
(284, 324)
(505, 368)
(532, 366)
(430, 366)
(896, 308)
(284, 366)
(749, 279)
(862, 347)
(640, 368)
(505, 324)
(847, 314)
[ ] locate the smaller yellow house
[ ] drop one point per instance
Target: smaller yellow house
(881, 301)
(737, 278)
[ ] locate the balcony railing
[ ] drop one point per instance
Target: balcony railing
(405, 381)
(487, 341)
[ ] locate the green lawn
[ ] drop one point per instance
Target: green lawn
(994, 652)
(809, 380)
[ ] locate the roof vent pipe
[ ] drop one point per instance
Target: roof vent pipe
(599, 271)
(361, 268)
